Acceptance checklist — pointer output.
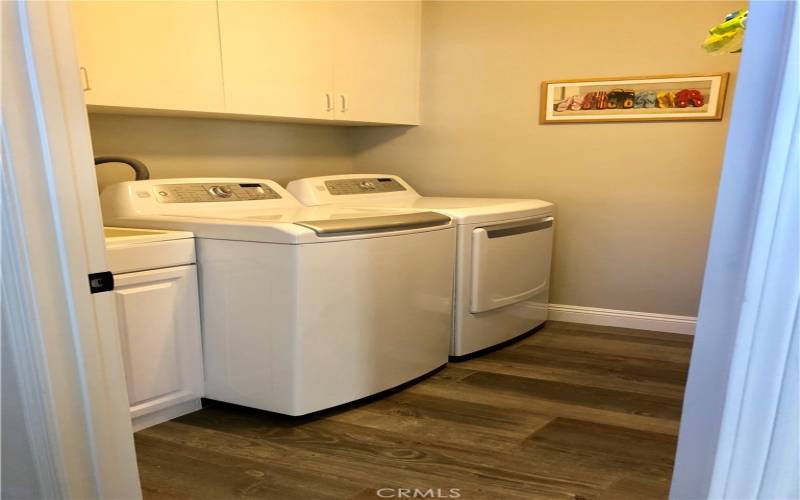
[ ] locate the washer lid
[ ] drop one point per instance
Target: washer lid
(370, 224)
(293, 225)
(476, 210)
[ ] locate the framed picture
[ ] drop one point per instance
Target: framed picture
(634, 99)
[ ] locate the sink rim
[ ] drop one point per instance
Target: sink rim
(130, 232)
(134, 235)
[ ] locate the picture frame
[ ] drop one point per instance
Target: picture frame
(673, 97)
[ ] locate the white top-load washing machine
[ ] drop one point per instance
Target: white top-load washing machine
(504, 249)
(303, 308)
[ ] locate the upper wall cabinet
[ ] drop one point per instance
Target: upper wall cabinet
(345, 62)
(377, 61)
(348, 61)
(278, 58)
(150, 55)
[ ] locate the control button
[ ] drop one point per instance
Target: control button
(221, 191)
(367, 185)
(163, 193)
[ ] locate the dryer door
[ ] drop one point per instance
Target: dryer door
(510, 262)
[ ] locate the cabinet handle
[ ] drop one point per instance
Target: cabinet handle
(344, 102)
(85, 74)
(328, 102)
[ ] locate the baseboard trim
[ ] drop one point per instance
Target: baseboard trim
(623, 319)
(164, 414)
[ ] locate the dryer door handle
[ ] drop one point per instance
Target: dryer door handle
(507, 270)
(513, 228)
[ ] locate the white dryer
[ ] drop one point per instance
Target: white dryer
(303, 308)
(504, 249)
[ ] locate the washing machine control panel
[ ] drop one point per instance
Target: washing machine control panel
(363, 185)
(201, 192)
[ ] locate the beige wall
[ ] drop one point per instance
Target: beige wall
(193, 147)
(635, 201)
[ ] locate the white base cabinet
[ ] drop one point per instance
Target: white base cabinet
(159, 323)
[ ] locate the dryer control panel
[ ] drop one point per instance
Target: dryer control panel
(211, 192)
(363, 185)
(358, 188)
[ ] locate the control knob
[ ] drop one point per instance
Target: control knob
(367, 185)
(221, 191)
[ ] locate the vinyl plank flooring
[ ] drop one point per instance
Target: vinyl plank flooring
(375, 460)
(524, 402)
(605, 399)
(615, 345)
(179, 470)
(643, 449)
(661, 378)
(355, 445)
(571, 412)
(645, 336)
(472, 425)
(638, 487)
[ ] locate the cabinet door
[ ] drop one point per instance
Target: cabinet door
(278, 58)
(153, 55)
(159, 322)
(377, 61)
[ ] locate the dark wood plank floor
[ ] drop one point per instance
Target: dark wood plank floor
(573, 411)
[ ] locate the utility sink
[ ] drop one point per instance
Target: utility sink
(130, 250)
(124, 235)
(124, 232)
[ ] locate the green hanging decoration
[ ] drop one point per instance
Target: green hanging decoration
(728, 36)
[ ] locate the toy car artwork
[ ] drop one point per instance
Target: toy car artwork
(689, 96)
(600, 100)
(666, 100)
(595, 100)
(619, 98)
(572, 103)
(645, 99)
(627, 99)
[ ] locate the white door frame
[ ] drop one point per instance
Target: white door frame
(64, 340)
(739, 429)
(65, 343)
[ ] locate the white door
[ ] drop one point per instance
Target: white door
(278, 58)
(159, 323)
(377, 61)
(64, 342)
(152, 55)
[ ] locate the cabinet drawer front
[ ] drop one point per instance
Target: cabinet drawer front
(128, 258)
(510, 263)
(159, 325)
